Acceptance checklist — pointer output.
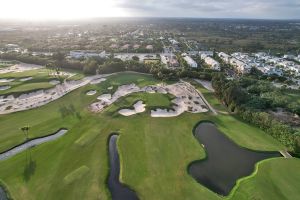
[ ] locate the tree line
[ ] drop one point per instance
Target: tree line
(250, 107)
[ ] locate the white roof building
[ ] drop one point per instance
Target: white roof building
(204, 54)
(240, 66)
(190, 61)
(85, 54)
(295, 68)
(212, 63)
(225, 57)
(270, 70)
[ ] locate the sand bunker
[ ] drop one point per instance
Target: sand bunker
(54, 82)
(104, 97)
(96, 81)
(91, 92)
(187, 99)
(139, 107)
(4, 80)
(26, 78)
(10, 104)
(21, 67)
(5, 87)
(110, 88)
(62, 73)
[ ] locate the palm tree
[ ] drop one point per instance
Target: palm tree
(49, 67)
(25, 130)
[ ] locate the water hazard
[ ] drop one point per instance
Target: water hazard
(118, 190)
(226, 162)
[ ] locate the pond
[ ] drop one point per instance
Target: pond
(226, 162)
(31, 143)
(118, 190)
(3, 195)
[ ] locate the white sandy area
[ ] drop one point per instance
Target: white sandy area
(54, 82)
(139, 107)
(26, 79)
(187, 99)
(62, 73)
(91, 92)
(10, 104)
(110, 88)
(21, 67)
(96, 81)
(5, 80)
(104, 97)
(5, 87)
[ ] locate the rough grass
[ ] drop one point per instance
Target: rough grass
(155, 152)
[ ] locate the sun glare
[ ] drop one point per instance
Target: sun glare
(59, 9)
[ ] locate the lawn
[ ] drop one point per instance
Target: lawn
(40, 80)
(154, 152)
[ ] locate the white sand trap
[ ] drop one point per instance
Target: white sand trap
(187, 99)
(5, 87)
(110, 88)
(20, 68)
(91, 92)
(4, 80)
(54, 82)
(104, 97)
(96, 81)
(26, 101)
(26, 78)
(139, 107)
(63, 73)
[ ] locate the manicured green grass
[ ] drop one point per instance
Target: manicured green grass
(76, 175)
(154, 152)
(29, 87)
(40, 80)
(277, 176)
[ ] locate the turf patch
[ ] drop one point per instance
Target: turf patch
(76, 174)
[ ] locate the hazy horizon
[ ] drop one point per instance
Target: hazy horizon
(35, 10)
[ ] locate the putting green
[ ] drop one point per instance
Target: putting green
(154, 152)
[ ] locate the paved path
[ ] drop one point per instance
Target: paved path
(285, 154)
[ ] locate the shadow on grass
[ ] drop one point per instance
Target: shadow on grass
(29, 168)
(69, 111)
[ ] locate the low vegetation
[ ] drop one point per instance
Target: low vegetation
(242, 99)
(154, 151)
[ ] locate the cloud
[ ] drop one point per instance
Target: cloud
(212, 8)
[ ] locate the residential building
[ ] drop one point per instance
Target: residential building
(225, 57)
(215, 65)
(190, 61)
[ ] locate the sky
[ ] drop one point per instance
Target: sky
(82, 9)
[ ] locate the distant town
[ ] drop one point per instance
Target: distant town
(150, 108)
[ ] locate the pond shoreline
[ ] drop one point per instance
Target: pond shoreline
(226, 162)
(118, 190)
(31, 143)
